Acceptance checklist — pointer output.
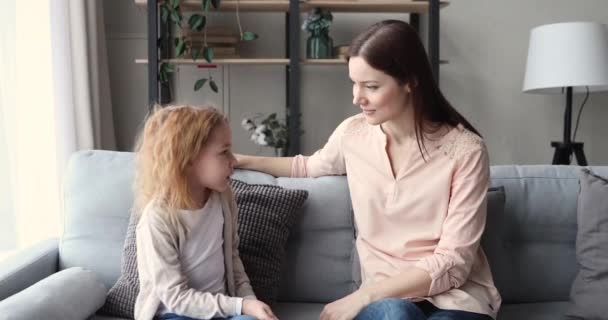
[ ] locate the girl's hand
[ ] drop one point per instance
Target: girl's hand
(346, 308)
(258, 309)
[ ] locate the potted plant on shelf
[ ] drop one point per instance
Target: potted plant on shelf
(270, 132)
(319, 44)
(171, 12)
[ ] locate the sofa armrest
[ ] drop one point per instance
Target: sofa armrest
(28, 266)
(70, 294)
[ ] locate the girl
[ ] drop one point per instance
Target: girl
(418, 173)
(187, 256)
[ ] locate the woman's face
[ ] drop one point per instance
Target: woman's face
(378, 95)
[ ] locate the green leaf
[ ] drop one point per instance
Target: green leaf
(272, 115)
(167, 67)
(208, 54)
(199, 83)
(215, 3)
(180, 46)
(248, 36)
(196, 52)
(164, 12)
(213, 85)
(174, 3)
(197, 22)
(205, 5)
(176, 17)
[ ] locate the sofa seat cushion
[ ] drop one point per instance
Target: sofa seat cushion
(101, 317)
(533, 311)
(298, 310)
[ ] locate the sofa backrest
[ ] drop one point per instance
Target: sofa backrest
(530, 246)
(533, 253)
(96, 207)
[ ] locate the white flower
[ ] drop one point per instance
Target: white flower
(260, 129)
(247, 124)
(254, 137)
(262, 140)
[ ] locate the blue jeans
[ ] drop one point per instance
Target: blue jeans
(172, 316)
(401, 309)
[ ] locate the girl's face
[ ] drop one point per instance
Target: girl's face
(378, 95)
(215, 163)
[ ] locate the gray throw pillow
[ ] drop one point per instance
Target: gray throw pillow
(120, 301)
(266, 213)
(590, 287)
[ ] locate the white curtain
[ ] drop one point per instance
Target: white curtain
(8, 235)
(81, 77)
(57, 102)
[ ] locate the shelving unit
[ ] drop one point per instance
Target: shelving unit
(158, 92)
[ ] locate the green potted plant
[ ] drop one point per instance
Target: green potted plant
(171, 12)
(319, 44)
(270, 132)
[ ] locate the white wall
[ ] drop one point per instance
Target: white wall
(485, 42)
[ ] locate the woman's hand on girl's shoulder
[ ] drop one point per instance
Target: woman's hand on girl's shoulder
(240, 160)
(257, 309)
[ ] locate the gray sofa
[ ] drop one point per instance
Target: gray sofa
(532, 248)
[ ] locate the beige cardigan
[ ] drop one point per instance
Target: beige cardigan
(160, 276)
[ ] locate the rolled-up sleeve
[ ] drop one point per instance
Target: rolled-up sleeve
(450, 264)
(328, 161)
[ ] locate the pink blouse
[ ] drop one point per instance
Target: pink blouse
(430, 215)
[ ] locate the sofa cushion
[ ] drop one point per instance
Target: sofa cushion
(102, 317)
(533, 311)
(493, 235)
(266, 214)
(97, 202)
(590, 287)
(298, 310)
(538, 231)
(321, 260)
(120, 300)
(70, 294)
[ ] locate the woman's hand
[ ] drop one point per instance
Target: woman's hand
(239, 160)
(346, 308)
(258, 309)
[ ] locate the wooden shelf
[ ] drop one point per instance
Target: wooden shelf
(403, 6)
(262, 61)
(269, 61)
(324, 61)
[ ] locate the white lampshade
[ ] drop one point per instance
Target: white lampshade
(572, 54)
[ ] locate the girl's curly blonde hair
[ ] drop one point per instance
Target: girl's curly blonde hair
(172, 137)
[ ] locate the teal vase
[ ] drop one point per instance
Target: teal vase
(319, 45)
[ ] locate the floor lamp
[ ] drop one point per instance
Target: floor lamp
(568, 58)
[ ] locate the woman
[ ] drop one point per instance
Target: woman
(418, 174)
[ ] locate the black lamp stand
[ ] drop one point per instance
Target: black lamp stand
(564, 150)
